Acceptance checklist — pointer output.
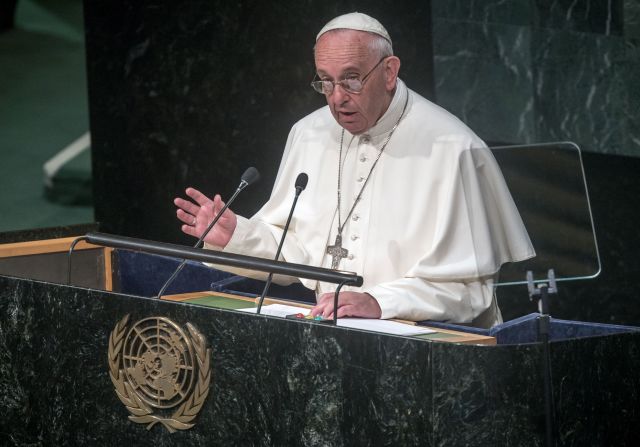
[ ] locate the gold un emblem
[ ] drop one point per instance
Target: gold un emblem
(156, 367)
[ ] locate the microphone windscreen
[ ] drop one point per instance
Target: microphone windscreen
(251, 175)
(301, 181)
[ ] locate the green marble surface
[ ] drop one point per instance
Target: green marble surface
(220, 302)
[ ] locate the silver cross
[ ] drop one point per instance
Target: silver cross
(337, 252)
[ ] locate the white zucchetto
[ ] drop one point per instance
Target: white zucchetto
(356, 21)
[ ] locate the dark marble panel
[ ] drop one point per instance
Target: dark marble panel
(628, 69)
(488, 397)
(631, 17)
(193, 92)
(591, 390)
(498, 396)
(575, 79)
(539, 71)
(513, 12)
(483, 75)
(591, 16)
(274, 381)
(580, 91)
(284, 382)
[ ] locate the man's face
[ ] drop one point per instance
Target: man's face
(344, 54)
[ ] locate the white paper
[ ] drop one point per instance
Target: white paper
(386, 326)
(277, 310)
(367, 324)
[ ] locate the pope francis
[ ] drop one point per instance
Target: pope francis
(400, 191)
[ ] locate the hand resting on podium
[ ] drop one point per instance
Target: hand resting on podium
(350, 304)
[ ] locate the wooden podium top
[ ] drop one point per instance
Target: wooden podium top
(229, 301)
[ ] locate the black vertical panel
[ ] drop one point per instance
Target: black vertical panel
(193, 92)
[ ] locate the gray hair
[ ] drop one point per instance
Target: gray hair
(378, 45)
(381, 46)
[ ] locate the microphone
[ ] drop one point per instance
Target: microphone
(300, 185)
(250, 176)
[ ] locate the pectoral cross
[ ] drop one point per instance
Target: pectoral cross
(337, 252)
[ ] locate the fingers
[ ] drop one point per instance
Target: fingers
(324, 307)
(199, 215)
(205, 208)
(198, 197)
(186, 218)
(186, 206)
(189, 230)
(350, 304)
(326, 311)
(348, 310)
(344, 310)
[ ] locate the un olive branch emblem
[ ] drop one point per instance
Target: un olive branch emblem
(156, 367)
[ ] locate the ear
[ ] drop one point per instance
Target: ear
(391, 69)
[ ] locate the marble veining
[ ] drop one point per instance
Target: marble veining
(284, 382)
(543, 70)
(592, 16)
(487, 80)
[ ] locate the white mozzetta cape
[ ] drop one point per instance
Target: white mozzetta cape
(432, 228)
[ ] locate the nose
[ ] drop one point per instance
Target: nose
(339, 95)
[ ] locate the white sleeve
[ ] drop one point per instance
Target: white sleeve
(260, 235)
(417, 299)
(253, 237)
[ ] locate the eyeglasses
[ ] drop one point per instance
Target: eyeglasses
(351, 85)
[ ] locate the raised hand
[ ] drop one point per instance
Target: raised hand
(197, 213)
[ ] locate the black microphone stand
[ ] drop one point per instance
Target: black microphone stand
(301, 183)
(335, 302)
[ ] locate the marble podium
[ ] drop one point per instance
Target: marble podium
(281, 382)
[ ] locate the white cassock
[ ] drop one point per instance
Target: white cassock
(433, 226)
